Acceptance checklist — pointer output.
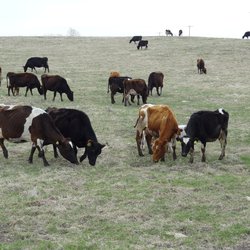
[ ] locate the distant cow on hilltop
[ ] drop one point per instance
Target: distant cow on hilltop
(247, 34)
(135, 39)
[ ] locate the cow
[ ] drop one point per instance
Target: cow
(19, 80)
(56, 84)
(168, 33)
(142, 43)
(135, 87)
(30, 124)
(155, 80)
(115, 84)
(38, 62)
(205, 126)
(246, 34)
(76, 125)
(135, 39)
(201, 66)
(180, 32)
(159, 124)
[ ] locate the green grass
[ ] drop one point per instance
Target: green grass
(127, 201)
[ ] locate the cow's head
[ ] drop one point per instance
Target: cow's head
(66, 150)
(25, 68)
(186, 145)
(159, 149)
(93, 149)
(70, 95)
(40, 90)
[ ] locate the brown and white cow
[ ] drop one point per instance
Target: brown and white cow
(159, 123)
(56, 84)
(28, 80)
(135, 87)
(26, 123)
(201, 66)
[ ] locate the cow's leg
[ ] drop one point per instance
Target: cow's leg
(5, 151)
(44, 93)
(223, 143)
(55, 151)
(54, 96)
(26, 91)
(149, 143)
(138, 99)
(45, 162)
(138, 139)
(31, 91)
(203, 150)
(112, 97)
(191, 160)
(61, 97)
(174, 149)
(33, 149)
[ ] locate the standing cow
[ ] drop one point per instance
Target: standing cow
(142, 43)
(56, 84)
(205, 126)
(76, 125)
(30, 124)
(19, 80)
(155, 80)
(38, 62)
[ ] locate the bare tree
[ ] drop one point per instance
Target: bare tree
(73, 32)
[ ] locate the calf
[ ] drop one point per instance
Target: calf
(142, 43)
(19, 80)
(115, 84)
(38, 62)
(76, 125)
(201, 66)
(205, 126)
(135, 87)
(155, 80)
(135, 39)
(158, 123)
(56, 84)
(27, 123)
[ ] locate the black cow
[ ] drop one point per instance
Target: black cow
(76, 125)
(38, 62)
(180, 32)
(135, 39)
(247, 34)
(56, 84)
(155, 80)
(115, 84)
(142, 43)
(168, 33)
(19, 80)
(205, 126)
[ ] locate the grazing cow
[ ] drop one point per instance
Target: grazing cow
(38, 62)
(168, 33)
(135, 87)
(205, 126)
(180, 32)
(76, 125)
(155, 80)
(142, 43)
(26, 123)
(19, 80)
(135, 39)
(115, 84)
(159, 123)
(201, 66)
(247, 34)
(56, 84)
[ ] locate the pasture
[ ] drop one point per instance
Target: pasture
(127, 201)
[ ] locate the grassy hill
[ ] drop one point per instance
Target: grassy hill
(127, 201)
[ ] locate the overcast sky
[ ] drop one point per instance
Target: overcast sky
(212, 18)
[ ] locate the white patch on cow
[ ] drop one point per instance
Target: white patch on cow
(186, 140)
(221, 111)
(183, 132)
(26, 133)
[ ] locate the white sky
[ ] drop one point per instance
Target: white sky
(211, 18)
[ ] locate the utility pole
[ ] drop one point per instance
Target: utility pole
(189, 29)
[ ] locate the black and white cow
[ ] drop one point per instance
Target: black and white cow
(76, 125)
(205, 126)
(26, 123)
